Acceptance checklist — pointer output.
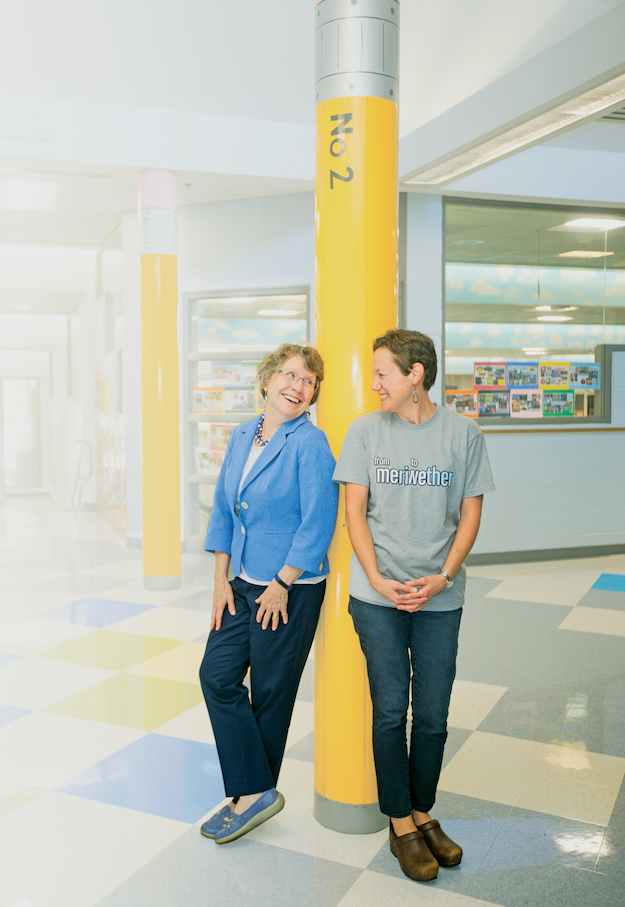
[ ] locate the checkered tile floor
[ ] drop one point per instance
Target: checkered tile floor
(108, 764)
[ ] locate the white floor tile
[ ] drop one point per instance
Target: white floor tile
(168, 623)
(33, 635)
(129, 570)
(559, 780)
(42, 749)
(34, 683)
(595, 620)
(22, 603)
(63, 851)
(302, 722)
(549, 589)
(194, 724)
(372, 889)
(296, 829)
(134, 592)
(471, 702)
(17, 576)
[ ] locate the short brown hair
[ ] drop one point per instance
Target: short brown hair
(272, 362)
(409, 347)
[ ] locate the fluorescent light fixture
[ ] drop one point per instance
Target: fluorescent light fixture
(554, 318)
(231, 299)
(534, 349)
(582, 253)
(596, 223)
(469, 242)
(543, 308)
(26, 195)
(568, 308)
(278, 313)
(533, 130)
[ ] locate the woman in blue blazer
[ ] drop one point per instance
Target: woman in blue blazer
(272, 521)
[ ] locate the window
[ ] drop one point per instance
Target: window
(533, 294)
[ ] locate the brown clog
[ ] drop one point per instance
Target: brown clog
(446, 851)
(415, 858)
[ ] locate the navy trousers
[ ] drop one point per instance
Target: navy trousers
(393, 642)
(251, 730)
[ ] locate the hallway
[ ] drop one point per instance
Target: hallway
(108, 765)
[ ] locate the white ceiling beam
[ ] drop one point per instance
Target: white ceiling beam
(590, 56)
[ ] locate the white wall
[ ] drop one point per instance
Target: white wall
(424, 273)
(261, 243)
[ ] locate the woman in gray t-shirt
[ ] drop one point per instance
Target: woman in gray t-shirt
(414, 477)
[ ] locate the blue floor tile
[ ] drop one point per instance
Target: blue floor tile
(9, 713)
(165, 776)
(7, 659)
(94, 612)
(545, 838)
(612, 582)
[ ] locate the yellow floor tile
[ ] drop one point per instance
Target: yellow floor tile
(595, 620)
(559, 780)
(471, 702)
(111, 649)
(126, 700)
(182, 663)
(13, 795)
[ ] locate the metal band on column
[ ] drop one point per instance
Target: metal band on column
(160, 414)
(356, 194)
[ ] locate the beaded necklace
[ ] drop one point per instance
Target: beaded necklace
(259, 432)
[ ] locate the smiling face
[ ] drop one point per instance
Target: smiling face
(395, 388)
(288, 398)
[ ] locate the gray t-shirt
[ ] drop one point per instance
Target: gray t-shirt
(417, 476)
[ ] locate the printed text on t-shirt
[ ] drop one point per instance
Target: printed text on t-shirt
(410, 475)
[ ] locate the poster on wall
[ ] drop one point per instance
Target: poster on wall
(219, 434)
(208, 462)
(553, 375)
(496, 403)
(523, 374)
(526, 404)
(248, 373)
(208, 399)
(489, 374)
(226, 374)
(239, 401)
(259, 401)
(463, 402)
(585, 374)
(558, 403)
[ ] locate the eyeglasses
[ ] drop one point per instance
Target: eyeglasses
(293, 377)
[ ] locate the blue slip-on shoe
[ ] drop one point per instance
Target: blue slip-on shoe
(210, 828)
(234, 826)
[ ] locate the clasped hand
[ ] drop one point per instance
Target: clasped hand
(413, 594)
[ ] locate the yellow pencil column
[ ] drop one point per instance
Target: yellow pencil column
(356, 213)
(160, 416)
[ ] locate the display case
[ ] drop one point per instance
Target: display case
(226, 336)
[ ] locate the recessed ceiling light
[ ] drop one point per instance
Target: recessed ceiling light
(554, 318)
(469, 242)
(277, 313)
(534, 349)
(543, 308)
(568, 308)
(596, 223)
(582, 253)
(26, 195)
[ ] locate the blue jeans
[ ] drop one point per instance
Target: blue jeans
(251, 729)
(391, 640)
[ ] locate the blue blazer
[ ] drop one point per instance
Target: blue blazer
(291, 502)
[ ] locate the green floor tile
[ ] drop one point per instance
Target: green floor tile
(14, 795)
(110, 649)
(129, 700)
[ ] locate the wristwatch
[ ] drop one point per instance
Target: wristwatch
(448, 580)
(281, 582)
